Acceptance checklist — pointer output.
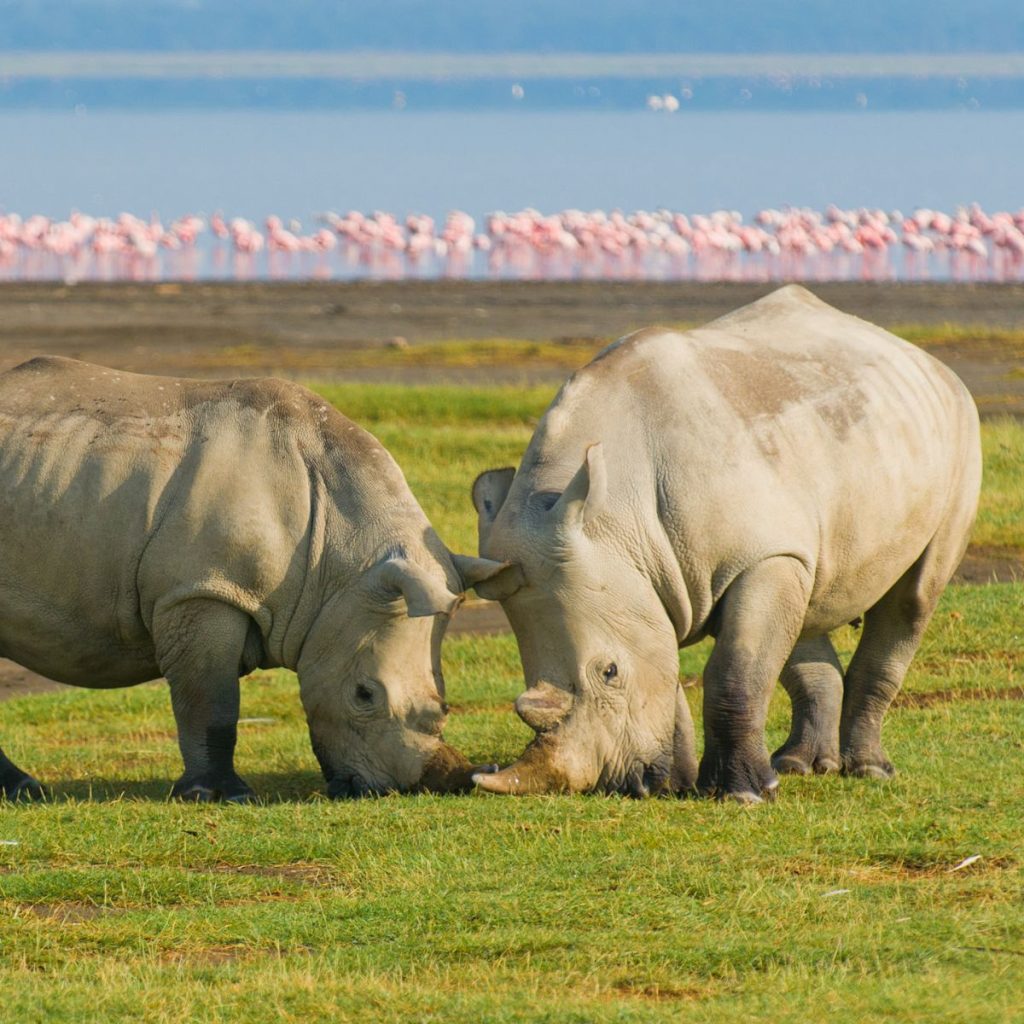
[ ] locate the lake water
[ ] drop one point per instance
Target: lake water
(255, 163)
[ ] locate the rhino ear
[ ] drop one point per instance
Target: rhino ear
(587, 494)
(424, 595)
(490, 490)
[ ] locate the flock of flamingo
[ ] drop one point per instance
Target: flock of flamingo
(776, 244)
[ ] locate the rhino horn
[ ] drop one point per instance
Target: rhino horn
(532, 773)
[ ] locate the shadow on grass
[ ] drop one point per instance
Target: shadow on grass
(271, 788)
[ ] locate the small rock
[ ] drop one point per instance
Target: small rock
(397, 342)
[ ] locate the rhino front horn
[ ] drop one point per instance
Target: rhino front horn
(531, 774)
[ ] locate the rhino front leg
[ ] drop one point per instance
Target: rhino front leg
(200, 645)
(813, 678)
(16, 784)
(759, 620)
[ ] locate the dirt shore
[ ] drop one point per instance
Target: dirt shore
(257, 328)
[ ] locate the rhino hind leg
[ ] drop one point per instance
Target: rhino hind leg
(16, 784)
(813, 678)
(758, 621)
(893, 629)
(200, 645)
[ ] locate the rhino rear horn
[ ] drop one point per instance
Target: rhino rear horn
(587, 494)
(424, 595)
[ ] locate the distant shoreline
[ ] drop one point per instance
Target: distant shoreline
(370, 66)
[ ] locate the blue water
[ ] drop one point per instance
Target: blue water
(297, 165)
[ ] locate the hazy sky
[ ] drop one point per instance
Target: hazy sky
(726, 26)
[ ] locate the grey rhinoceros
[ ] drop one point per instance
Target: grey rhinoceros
(198, 530)
(764, 479)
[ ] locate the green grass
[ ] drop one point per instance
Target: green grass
(839, 900)
(1001, 512)
(1009, 340)
(534, 356)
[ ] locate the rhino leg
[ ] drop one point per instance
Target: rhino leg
(200, 647)
(892, 633)
(16, 784)
(758, 621)
(813, 678)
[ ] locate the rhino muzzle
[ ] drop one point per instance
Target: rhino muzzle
(449, 772)
(543, 766)
(349, 786)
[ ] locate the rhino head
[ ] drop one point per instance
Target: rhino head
(371, 684)
(597, 646)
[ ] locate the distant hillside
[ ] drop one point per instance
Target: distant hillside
(460, 26)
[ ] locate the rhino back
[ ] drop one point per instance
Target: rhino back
(786, 427)
(117, 490)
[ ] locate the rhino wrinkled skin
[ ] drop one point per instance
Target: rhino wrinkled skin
(764, 479)
(198, 530)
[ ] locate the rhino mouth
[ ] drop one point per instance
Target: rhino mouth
(447, 771)
(351, 786)
(643, 780)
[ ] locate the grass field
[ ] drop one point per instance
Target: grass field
(844, 900)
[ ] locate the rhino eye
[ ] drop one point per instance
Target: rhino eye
(364, 695)
(610, 672)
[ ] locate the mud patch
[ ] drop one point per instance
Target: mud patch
(934, 697)
(16, 681)
(654, 993)
(302, 874)
(895, 868)
(984, 564)
(210, 956)
(903, 867)
(65, 913)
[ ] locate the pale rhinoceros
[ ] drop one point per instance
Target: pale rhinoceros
(764, 479)
(198, 530)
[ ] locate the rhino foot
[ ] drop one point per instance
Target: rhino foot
(232, 791)
(870, 767)
(794, 760)
(748, 797)
(745, 782)
(23, 788)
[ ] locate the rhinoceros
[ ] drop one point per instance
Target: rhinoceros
(198, 530)
(764, 479)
